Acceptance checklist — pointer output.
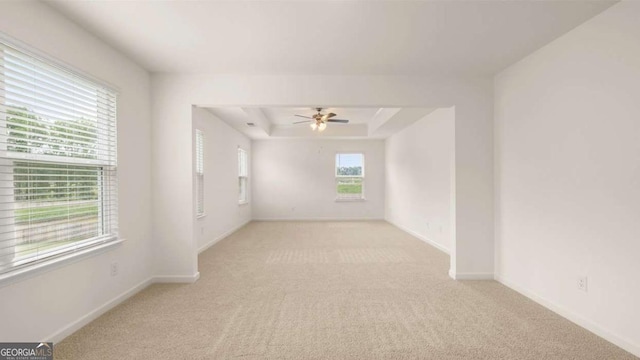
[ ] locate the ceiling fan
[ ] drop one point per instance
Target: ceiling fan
(319, 121)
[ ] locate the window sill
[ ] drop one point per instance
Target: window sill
(243, 203)
(351, 200)
(198, 217)
(35, 269)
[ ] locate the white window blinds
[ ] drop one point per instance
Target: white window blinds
(350, 176)
(199, 173)
(58, 191)
(243, 175)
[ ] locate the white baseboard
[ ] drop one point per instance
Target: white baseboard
(318, 219)
(421, 237)
(186, 279)
(470, 276)
(224, 235)
(84, 320)
(76, 325)
(94, 314)
(571, 316)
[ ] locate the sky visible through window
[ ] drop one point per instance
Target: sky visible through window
(347, 163)
(44, 83)
(51, 112)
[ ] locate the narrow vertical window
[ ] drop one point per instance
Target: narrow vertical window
(199, 173)
(349, 177)
(243, 177)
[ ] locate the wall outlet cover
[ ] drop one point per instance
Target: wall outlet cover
(114, 268)
(582, 283)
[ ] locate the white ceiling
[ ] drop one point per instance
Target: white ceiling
(329, 37)
(278, 122)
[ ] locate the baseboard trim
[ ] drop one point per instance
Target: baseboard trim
(471, 276)
(224, 235)
(96, 313)
(421, 237)
(172, 279)
(573, 317)
(318, 219)
(92, 315)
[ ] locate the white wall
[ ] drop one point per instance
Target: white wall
(568, 174)
(295, 179)
(223, 214)
(42, 306)
(419, 169)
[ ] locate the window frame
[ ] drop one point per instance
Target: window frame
(23, 267)
(243, 177)
(339, 177)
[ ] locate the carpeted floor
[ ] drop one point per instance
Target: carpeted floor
(330, 290)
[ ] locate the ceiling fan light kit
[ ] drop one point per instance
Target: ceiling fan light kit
(320, 120)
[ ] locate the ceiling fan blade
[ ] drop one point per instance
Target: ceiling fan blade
(301, 122)
(338, 121)
(303, 116)
(327, 116)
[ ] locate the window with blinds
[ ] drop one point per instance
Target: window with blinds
(243, 176)
(349, 176)
(199, 173)
(58, 189)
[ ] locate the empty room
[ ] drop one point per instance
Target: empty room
(321, 179)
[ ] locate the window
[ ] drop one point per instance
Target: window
(243, 174)
(199, 173)
(58, 190)
(350, 176)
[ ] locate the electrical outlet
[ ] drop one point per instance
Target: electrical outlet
(582, 284)
(114, 268)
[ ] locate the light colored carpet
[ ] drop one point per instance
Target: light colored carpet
(330, 290)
